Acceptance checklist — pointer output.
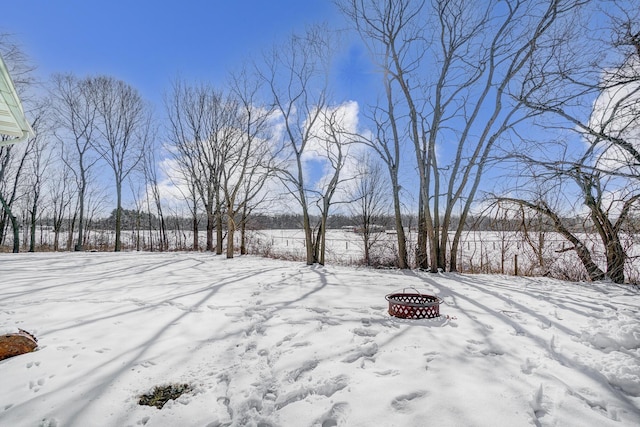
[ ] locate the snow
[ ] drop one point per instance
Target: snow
(277, 343)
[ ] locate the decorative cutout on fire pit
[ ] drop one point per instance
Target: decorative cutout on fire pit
(413, 305)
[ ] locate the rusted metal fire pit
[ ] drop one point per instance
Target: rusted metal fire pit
(413, 305)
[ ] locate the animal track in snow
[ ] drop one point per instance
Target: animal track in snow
(35, 385)
(147, 363)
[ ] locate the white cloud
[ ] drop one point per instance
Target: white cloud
(616, 113)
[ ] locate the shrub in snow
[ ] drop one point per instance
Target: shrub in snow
(162, 394)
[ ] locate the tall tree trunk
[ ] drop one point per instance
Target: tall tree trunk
(219, 231)
(16, 233)
(422, 258)
(211, 221)
(322, 232)
(308, 237)
(32, 238)
(118, 245)
(14, 224)
(243, 232)
(196, 244)
(400, 236)
(231, 227)
(81, 197)
(72, 227)
(615, 260)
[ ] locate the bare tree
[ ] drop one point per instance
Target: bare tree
(150, 171)
(608, 205)
(390, 31)
(387, 143)
(198, 118)
(296, 74)
(370, 204)
(122, 119)
(12, 165)
(589, 92)
(40, 161)
(456, 65)
(75, 111)
(248, 158)
(332, 141)
(61, 194)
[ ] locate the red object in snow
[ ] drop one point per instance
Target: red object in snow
(413, 305)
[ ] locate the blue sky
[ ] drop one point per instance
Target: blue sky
(147, 43)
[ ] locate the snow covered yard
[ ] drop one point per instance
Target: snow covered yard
(273, 343)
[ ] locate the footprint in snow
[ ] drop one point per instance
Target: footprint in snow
(430, 357)
(326, 389)
(286, 339)
(388, 372)
(335, 416)
(367, 351)
(362, 332)
(307, 366)
(479, 348)
(404, 402)
(528, 366)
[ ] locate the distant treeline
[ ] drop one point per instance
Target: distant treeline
(133, 220)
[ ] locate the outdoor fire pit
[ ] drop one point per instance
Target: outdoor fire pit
(413, 305)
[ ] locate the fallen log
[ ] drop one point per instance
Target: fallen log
(16, 344)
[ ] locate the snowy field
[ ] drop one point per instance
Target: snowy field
(275, 343)
(479, 251)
